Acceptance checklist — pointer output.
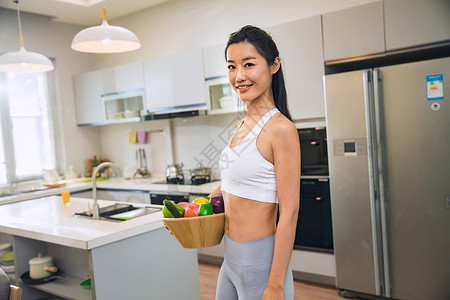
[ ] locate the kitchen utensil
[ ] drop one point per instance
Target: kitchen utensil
(54, 184)
(4, 248)
(141, 164)
(201, 173)
(41, 267)
(175, 171)
(8, 269)
(226, 102)
(197, 232)
(86, 284)
(25, 277)
(7, 259)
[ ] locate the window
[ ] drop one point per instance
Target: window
(29, 139)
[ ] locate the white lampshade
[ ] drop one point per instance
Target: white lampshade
(22, 60)
(105, 39)
(25, 61)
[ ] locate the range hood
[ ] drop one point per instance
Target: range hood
(183, 111)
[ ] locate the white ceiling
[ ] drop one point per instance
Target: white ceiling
(81, 12)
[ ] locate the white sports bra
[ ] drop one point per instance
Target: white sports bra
(245, 172)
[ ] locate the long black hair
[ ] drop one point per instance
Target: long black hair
(265, 45)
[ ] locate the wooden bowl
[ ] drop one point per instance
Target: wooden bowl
(197, 232)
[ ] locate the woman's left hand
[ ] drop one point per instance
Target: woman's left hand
(273, 294)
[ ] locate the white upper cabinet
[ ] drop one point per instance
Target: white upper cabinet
(214, 63)
(123, 78)
(384, 26)
(158, 83)
(188, 78)
(416, 22)
(354, 31)
(300, 47)
(88, 89)
(175, 81)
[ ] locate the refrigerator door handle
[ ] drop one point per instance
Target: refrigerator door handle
(373, 181)
(378, 110)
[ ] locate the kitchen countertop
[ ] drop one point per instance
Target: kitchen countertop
(20, 196)
(48, 219)
(139, 184)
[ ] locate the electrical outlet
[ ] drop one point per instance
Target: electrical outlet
(447, 201)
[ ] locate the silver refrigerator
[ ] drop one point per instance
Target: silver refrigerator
(388, 133)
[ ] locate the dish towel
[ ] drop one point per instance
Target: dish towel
(142, 137)
(132, 137)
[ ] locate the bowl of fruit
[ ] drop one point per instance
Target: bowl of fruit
(199, 224)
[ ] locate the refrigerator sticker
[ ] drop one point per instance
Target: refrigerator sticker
(435, 87)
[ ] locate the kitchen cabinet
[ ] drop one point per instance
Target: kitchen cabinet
(300, 47)
(214, 63)
(221, 98)
(384, 26)
(123, 93)
(175, 81)
(124, 260)
(124, 106)
(416, 22)
(354, 31)
(88, 89)
(110, 95)
(123, 78)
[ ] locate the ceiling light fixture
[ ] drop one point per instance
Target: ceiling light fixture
(22, 60)
(105, 39)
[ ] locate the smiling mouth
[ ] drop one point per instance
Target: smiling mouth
(243, 88)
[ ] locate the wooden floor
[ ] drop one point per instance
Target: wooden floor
(303, 290)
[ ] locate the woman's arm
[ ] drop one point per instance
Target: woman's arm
(286, 151)
(217, 190)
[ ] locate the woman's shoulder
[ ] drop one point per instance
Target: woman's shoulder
(283, 126)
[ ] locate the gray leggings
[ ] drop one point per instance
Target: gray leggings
(246, 268)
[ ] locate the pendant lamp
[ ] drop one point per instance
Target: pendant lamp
(23, 60)
(105, 38)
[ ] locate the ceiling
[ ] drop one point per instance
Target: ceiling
(81, 12)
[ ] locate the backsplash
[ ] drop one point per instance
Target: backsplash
(197, 141)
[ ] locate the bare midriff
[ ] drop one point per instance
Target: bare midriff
(248, 220)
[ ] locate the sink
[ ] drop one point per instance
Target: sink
(121, 212)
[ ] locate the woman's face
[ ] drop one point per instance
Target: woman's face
(248, 72)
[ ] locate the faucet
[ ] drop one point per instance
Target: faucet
(8, 176)
(96, 212)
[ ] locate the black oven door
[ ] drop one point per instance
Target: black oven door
(158, 197)
(314, 154)
(314, 228)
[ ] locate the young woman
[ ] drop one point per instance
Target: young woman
(260, 172)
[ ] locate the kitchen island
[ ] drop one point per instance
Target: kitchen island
(132, 259)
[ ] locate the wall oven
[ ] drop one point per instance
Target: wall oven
(314, 227)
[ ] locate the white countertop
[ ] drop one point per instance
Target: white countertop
(141, 184)
(48, 219)
(73, 187)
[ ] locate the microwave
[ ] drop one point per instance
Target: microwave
(314, 153)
